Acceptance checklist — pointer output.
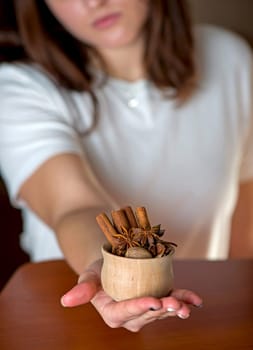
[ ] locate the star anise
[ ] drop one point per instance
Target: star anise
(125, 239)
(128, 230)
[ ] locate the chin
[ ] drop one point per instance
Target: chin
(117, 43)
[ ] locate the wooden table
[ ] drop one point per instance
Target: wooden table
(31, 316)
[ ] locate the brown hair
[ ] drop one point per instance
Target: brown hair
(30, 33)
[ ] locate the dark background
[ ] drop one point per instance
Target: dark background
(11, 256)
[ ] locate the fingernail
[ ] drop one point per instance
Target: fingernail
(154, 308)
(62, 302)
(198, 305)
(183, 317)
(171, 309)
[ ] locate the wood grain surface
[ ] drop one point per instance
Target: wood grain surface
(31, 316)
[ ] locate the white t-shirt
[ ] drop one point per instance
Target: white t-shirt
(183, 163)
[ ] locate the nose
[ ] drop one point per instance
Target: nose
(94, 3)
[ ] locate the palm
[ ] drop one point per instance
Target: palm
(131, 314)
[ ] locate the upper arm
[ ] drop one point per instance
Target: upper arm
(241, 244)
(41, 158)
(58, 186)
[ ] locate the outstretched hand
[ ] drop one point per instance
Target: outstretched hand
(131, 314)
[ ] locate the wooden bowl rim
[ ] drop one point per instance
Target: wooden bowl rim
(107, 247)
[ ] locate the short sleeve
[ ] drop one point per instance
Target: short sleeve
(34, 124)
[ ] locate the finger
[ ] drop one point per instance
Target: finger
(175, 307)
(83, 292)
(184, 312)
(116, 314)
(171, 304)
(178, 303)
(170, 307)
(138, 323)
(187, 296)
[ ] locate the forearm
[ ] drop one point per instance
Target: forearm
(80, 237)
(241, 241)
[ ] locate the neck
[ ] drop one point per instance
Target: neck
(124, 63)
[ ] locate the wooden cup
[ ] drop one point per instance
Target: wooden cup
(125, 278)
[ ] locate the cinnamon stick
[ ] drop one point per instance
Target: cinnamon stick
(142, 218)
(107, 228)
(130, 216)
(120, 220)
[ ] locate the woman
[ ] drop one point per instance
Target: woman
(114, 102)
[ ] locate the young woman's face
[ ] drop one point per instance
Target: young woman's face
(104, 24)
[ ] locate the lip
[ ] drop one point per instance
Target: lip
(106, 21)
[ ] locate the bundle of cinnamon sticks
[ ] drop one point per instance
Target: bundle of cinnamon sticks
(131, 234)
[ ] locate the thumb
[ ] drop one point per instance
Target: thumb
(88, 285)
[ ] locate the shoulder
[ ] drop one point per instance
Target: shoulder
(219, 37)
(224, 62)
(25, 88)
(18, 81)
(15, 75)
(24, 84)
(27, 85)
(222, 46)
